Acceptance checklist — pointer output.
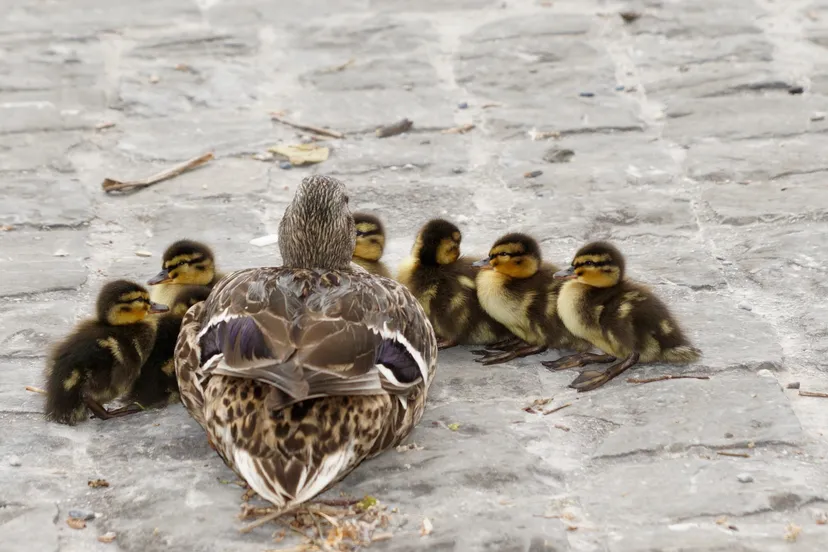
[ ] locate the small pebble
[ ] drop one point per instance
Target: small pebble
(795, 90)
(285, 165)
(408, 167)
(15, 461)
(143, 253)
(457, 170)
(154, 79)
(107, 537)
(463, 105)
(818, 116)
(745, 478)
(587, 94)
(532, 174)
(61, 253)
(728, 435)
(620, 87)
(81, 514)
(745, 306)
(793, 385)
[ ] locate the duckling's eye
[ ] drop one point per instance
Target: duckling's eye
(589, 263)
(125, 308)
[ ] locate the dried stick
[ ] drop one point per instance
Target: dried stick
(813, 394)
(736, 454)
(111, 185)
(664, 378)
(553, 410)
(459, 130)
(308, 128)
(35, 390)
(394, 129)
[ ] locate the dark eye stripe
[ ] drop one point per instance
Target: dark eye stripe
(593, 263)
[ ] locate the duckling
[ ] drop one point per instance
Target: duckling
(157, 383)
(622, 318)
(184, 263)
(370, 244)
(102, 358)
(299, 373)
(444, 284)
(518, 289)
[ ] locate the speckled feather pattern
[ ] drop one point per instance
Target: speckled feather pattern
(315, 323)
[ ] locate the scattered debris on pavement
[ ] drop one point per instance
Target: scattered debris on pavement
(98, 483)
(309, 128)
(813, 394)
(665, 378)
(462, 129)
(301, 154)
(532, 174)
(393, 129)
(112, 185)
(558, 155)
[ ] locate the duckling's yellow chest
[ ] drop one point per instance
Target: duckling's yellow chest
(581, 317)
(505, 306)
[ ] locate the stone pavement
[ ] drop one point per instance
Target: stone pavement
(689, 152)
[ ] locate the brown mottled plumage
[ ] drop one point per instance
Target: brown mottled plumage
(370, 244)
(622, 318)
(444, 284)
(186, 265)
(300, 373)
(100, 360)
(518, 290)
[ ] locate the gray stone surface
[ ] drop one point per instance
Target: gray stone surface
(689, 152)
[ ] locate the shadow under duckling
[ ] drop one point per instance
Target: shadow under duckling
(518, 289)
(444, 284)
(102, 358)
(622, 318)
(157, 385)
(370, 244)
(185, 263)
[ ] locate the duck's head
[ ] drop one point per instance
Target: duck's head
(515, 255)
(437, 243)
(187, 298)
(597, 264)
(122, 302)
(370, 237)
(317, 229)
(186, 262)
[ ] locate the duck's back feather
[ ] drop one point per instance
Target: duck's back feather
(314, 333)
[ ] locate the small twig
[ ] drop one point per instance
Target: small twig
(394, 129)
(308, 128)
(664, 378)
(341, 502)
(382, 537)
(462, 129)
(261, 521)
(736, 454)
(813, 394)
(561, 427)
(341, 67)
(35, 390)
(553, 410)
(490, 105)
(111, 185)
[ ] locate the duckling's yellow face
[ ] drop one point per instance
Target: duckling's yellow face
(370, 242)
(513, 259)
(132, 307)
(448, 249)
(593, 269)
(193, 268)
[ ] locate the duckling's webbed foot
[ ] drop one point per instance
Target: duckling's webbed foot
(576, 361)
(102, 413)
(445, 343)
(519, 352)
(593, 379)
(507, 344)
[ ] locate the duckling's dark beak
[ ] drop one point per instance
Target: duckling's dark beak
(155, 308)
(482, 263)
(565, 274)
(160, 278)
